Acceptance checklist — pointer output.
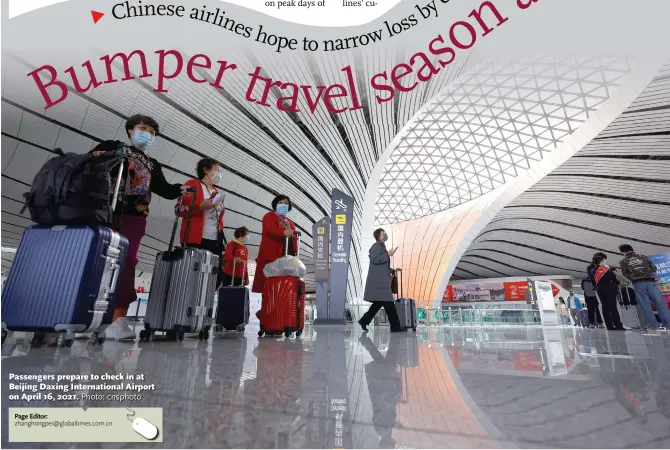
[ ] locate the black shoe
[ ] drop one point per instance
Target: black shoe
(397, 330)
(364, 326)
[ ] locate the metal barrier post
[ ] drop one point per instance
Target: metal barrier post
(451, 318)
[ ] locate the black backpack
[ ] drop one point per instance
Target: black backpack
(73, 189)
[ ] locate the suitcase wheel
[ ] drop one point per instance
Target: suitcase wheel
(203, 335)
(145, 335)
(240, 328)
(298, 333)
(287, 334)
(98, 338)
(414, 329)
(65, 339)
(37, 339)
(180, 336)
(261, 333)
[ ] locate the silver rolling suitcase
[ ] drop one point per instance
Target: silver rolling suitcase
(630, 313)
(406, 307)
(182, 290)
(190, 302)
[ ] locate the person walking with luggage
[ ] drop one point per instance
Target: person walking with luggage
(145, 177)
(607, 288)
(276, 228)
(206, 229)
(378, 286)
(640, 271)
(574, 304)
(236, 256)
(591, 300)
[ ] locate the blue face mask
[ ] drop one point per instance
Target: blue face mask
(246, 240)
(142, 139)
(282, 209)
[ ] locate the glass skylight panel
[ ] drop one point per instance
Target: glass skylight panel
(491, 123)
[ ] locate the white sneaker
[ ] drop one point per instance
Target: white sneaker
(120, 330)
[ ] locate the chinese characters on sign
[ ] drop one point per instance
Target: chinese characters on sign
(339, 407)
(342, 209)
(321, 231)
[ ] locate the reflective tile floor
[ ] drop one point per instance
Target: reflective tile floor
(437, 388)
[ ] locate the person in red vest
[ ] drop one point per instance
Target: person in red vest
(607, 287)
(276, 228)
(206, 230)
(236, 255)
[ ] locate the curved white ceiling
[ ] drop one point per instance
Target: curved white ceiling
(495, 121)
(615, 190)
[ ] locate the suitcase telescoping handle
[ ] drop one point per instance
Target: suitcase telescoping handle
(193, 190)
(624, 288)
(398, 273)
(297, 252)
(232, 279)
(117, 188)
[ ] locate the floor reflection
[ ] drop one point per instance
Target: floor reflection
(337, 388)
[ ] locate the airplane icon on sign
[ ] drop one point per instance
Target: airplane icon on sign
(339, 204)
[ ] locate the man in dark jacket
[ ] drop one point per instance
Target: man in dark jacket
(640, 270)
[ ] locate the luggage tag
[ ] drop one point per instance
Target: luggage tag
(142, 426)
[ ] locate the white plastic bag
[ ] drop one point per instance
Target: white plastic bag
(286, 266)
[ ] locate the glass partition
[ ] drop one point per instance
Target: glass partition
(458, 316)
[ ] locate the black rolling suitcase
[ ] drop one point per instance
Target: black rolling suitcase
(65, 278)
(232, 311)
(406, 307)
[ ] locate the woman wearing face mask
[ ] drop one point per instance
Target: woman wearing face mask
(206, 230)
(378, 286)
(276, 228)
(145, 177)
(607, 288)
(236, 255)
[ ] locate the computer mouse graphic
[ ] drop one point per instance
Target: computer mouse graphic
(145, 429)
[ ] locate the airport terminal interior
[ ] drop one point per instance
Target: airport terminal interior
(498, 182)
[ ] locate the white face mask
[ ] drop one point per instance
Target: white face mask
(384, 237)
(215, 178)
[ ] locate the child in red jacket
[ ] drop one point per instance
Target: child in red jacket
(236, 255)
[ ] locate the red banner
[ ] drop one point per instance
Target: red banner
(448, 294)
(515, 290)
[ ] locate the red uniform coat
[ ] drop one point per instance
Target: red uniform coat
(236, 250)
(273, 246)
(198, 219)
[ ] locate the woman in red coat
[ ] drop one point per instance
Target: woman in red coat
(276, 228)
(236, 257)
(206, 230)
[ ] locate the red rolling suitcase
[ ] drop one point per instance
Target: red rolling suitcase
(283, 304)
